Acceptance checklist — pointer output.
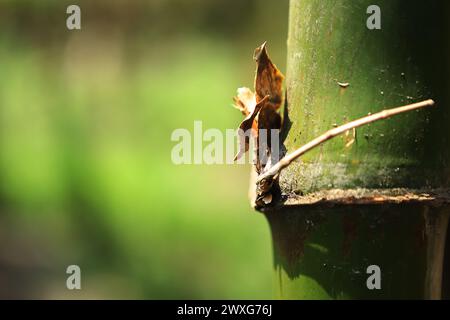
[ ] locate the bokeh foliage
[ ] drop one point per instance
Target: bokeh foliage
(85, 171)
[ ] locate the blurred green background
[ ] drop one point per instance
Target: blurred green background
(86, 176)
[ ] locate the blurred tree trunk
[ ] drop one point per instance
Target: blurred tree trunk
(379, 216)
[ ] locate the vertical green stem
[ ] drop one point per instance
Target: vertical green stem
(323, 251)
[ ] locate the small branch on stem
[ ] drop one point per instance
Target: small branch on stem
(265, 180)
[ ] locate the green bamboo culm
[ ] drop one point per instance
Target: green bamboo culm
(339, 70)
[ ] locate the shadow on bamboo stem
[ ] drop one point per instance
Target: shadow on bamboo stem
(324, 252)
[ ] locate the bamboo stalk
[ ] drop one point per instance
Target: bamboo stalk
(288, 159)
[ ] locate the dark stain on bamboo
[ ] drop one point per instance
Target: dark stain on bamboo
(400, 238)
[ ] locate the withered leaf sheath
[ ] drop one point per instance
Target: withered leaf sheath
(261, 107)
(268, 79)
(247, 124)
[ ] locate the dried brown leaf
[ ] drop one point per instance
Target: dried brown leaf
(268, 118)
(261, 107)
(268, 80)
(247, 124)
(245, 101)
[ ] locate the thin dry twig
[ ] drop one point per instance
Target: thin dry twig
(288, 159)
